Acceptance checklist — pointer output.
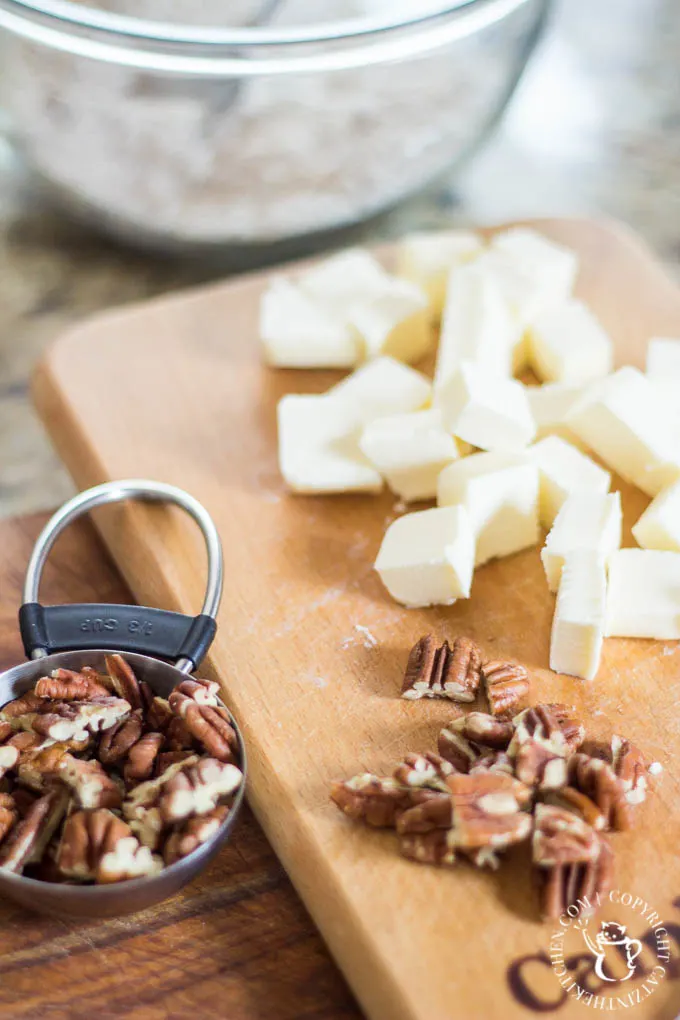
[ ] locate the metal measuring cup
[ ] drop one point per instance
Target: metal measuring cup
(74, 636)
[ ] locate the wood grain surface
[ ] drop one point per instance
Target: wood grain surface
(237, 943)
(311, 651)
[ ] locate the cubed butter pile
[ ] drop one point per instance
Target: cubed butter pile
(502, 459)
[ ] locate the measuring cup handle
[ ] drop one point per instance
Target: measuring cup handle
(157, 632)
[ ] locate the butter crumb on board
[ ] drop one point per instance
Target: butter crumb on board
(502, 459)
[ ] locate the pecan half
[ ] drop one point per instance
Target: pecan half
(178, 737)
(428, 847)
(456, 749)
(125, 682)
(598, 781)
(141, 804)
(203, 692)
(40, 766)
(486, 811)
(67, 685)
(485, 730)
(375, 800)
(193, 833)
(142, 758)
(9, 814)
(424, 770)
(6, 731)
(507, 687)
(29, 837)
(75, 719)
(196, 789)
(92, 786)
(211, 727)
(117, 741)
(442, 672)
(96, 845)
(565, 884)
(27, 704)
(570, 799)
(549, 725)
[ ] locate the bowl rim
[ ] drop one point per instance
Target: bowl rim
(84, 16)
(195, 858)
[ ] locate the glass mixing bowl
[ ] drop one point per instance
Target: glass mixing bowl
(280, 129)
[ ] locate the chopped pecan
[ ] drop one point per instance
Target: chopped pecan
(486, 811)
(456, 749)
(428, 847)
(124, 680)
(570, 799)
(598, 781)
(444, 672)
(29, 836)
(8, 814)
(485, 730)
(562, 885)
(117, 741)
(142, 758)
(211, 726)
(507, 687)
(375, 800)
(435, 812)
(157, 711)
(536, 765)
(562, 837)
(629, 766)
(493, 761)
(424, 770)
(193, 833)
(67, 685)
(97, 845)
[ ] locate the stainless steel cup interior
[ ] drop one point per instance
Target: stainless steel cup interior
(136, 894)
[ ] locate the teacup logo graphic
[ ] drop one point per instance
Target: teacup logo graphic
(612, 934)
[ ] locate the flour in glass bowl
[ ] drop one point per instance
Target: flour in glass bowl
(179, 161)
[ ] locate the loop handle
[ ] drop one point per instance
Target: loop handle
(47, 629)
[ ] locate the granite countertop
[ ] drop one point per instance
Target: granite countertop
(594, 128)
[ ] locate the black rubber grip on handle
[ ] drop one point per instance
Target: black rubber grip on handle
(156, 632)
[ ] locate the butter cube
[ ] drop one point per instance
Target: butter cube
(536, 272)
(622, 420)
(500, 494)
(488, 411)
(564, 470)
(578, 623)
(587, 521)
(644, 594)
(550, 404)
(298, 333)
(478, 326)
(567, 344)
(381, 387)
(427, 258)
(409, 451)
(319, 446)
(427, 557)
(390, 315)
(663, 357)
(659, 526)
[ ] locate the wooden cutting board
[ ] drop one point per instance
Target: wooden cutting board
(311, 651)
